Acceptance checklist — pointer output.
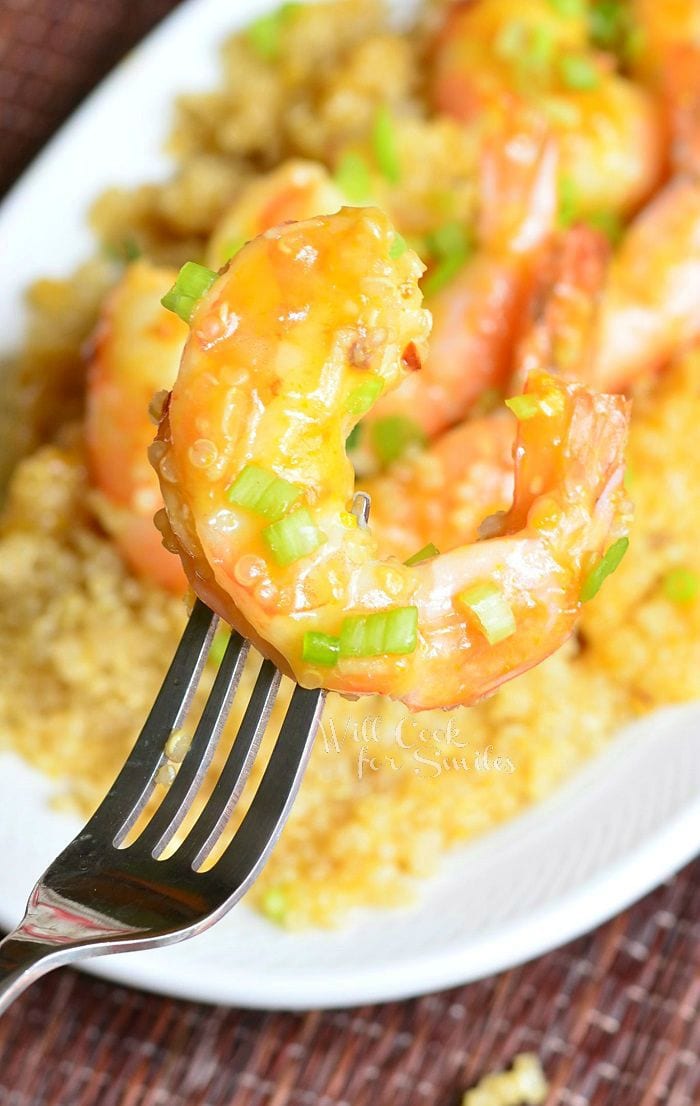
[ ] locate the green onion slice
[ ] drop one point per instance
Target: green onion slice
(192, 282)
(492, 610)
(353, 439)
(219, 645)
(608, 563)
(320, 649)
(361, 399)
(392, 436)
(578, 72)
(524, 407)
(452, 245)
(384, 145)
(353, 178)
(608, 223)
(264, 34)
(570, 9)
(274, 904)
(681, 585)
(398, 247)
(608, 23)
(423, 554)
(261, 491)
(386, 632)
(292, 537)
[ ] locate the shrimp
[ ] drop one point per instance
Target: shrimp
(256, 483)
(609, 130)
(135, 352)
(296, 190)
(656, 31)
(439, 496)
(475, 317)
(650, 306)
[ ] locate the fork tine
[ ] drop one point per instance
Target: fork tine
(227, 790)
(263, 823)
(130, 792)
(172, 811)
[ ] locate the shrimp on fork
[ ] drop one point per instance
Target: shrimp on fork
(257, 486)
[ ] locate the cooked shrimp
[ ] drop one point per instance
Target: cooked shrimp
(609, 130)
(650, 305)
(439, 496)
(656, 30)
(476, 316)
(286, 349)
(136, 352)
(294, 191)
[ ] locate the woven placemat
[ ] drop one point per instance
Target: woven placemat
(614, 1016)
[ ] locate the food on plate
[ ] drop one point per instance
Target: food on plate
(136, 350)
(328, 107)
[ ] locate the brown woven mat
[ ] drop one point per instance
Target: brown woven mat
(614, 1015)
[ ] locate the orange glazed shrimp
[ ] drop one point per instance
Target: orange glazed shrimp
(476, 316)
(650, 305)
(609, 130)
(136, 352)
(287, 348)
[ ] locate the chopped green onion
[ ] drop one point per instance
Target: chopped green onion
(353, 178)
(321, 649)
(353, 439)
(264, 34)
(386, 632)
(443, 274)
(569, 203)
(452, 245)
(398, 247)
(261, 491)
(393, 435)
(219, 645)
(524, 407)
(384, 145)
(125, 251)
(634, 44)
(608, 223)
(361, 399)
(608, 23)
(492, 610)
(578, 73)
(681, 585)
(449, 239)
(530, 46)
(607, 565)
(423, 554)
(274, 904)
(570, 9)
(292, 537)
(192, 282)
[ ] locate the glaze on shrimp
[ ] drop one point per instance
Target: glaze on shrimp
(286, 349)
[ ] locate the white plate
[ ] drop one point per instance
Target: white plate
(625, 823)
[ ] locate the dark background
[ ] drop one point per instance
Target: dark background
(614, 1015)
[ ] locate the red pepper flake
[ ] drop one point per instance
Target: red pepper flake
(411, 359)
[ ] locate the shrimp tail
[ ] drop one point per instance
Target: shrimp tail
(518, 186)
(567, 286)
(584, 436)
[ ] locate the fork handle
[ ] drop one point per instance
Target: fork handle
(23, 959)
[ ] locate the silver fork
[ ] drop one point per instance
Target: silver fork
(99, 897)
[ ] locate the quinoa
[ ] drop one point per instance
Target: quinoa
(85, 644)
